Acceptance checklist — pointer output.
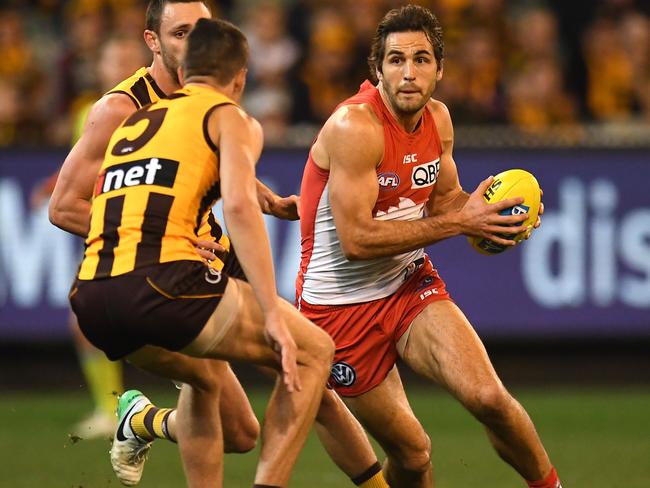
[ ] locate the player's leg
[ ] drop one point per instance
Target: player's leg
(195, 424)
(346, 442)
(344, 439)
(104, 380)
(385, 412)
(289, 415)
(240, 426)
(443, 346)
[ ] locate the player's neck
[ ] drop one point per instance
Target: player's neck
(163, 78)
(408, 122)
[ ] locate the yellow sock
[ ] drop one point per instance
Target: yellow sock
(373, 477)
(377, 481)
(104, 379)
(151, 423)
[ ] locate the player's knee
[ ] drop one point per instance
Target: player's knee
(491, 403)
(244, 438)
(321, 349)
(416, 458)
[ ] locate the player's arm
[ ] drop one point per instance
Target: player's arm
(287, 208)
(353, 191)
(69, 206)
(448, 194)
(239, 140)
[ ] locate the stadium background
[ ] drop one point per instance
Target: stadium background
(559, 88)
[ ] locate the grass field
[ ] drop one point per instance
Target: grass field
(597, 438)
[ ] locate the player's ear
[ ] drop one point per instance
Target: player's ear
(151, 39)
(181, 78)
(440, 71)
(378, 74)
(240, 82)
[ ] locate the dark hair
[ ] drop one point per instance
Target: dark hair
(215, 48)
(410, 18)
(155, 10)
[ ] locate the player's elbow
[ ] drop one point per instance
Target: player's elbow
(55, 213)
(354, 250)
(239, 207)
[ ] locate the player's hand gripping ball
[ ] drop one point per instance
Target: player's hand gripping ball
(509, 184)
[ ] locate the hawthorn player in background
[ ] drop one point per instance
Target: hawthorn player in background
(367, 212)
(142, 290)
(69, 206)
(168, 24)
(119, 57)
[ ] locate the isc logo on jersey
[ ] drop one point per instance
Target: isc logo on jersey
(154, 171)
(425, 174)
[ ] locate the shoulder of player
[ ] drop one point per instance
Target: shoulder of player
(442, 117)
(351, 124)
(232, 119)
(232, 116)
(110, 110)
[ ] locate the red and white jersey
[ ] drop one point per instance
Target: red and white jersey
(406, 177)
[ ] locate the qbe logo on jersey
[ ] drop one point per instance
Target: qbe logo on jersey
(425, 174)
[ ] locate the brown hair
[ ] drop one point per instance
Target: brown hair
(410, 18)
(215, 48)
(155, 10)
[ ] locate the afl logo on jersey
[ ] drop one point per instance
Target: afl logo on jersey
(425, 174)
(387, 181)
(343, 374)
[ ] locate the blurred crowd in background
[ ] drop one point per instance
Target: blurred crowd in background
(530, 64)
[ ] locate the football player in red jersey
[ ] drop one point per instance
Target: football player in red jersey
(368, 210)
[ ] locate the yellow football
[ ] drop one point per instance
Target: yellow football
(510, 184)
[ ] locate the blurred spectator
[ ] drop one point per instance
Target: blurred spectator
(273, 53)
(531, 63)
(471, 83)
(75, 71)
(537, 99)
(535, 89)
(9, 112)
(329, 65)
(20, 119)
(118, 59)
(616, 51)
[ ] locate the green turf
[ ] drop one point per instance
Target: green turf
(597, 438)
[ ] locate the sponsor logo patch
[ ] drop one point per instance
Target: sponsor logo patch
(410, 158)
(154, 171)
(426, 174)
(343, 374)
(387, 181)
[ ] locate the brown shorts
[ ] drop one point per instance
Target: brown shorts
(232, 267)
(164, 305)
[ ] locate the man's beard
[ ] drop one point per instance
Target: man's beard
(408, 108)
(170, 62)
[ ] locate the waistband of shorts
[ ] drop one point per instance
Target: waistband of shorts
(149, 268)
(311, 307)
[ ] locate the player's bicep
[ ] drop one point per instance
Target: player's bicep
(82, 164)
(353, 187)
(448, 187)
(239, 143)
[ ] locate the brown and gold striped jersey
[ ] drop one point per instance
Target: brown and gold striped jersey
(142, 89)
(159, 177)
